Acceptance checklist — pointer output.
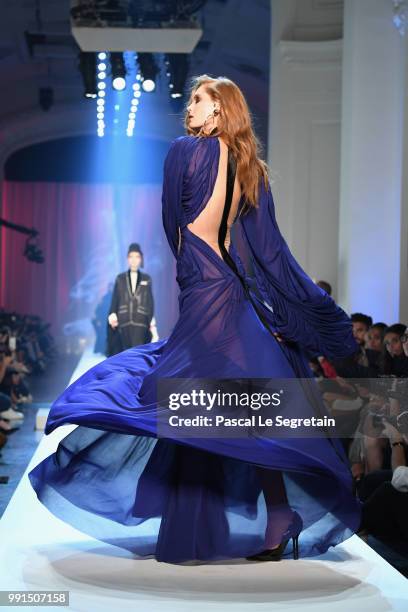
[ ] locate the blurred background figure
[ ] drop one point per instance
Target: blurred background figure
(132, 306)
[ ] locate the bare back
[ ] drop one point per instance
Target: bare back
(207, 224)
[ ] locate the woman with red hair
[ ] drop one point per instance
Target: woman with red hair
(180, 498)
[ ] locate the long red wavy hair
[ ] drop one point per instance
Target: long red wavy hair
(235, 126)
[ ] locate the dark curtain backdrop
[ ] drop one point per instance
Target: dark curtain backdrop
(85, 230)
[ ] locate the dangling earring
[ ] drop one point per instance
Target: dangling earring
(213, 114)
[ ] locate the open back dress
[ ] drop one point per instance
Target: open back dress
(178, 500)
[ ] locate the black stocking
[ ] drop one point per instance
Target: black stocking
(279, 512)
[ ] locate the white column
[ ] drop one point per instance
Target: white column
(371, 162)
(403, 297)
(304, 133)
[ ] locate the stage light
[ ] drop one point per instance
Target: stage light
(101, 75)
(32, 251)
(102, 66)
(102, 56)
(101, 85)
(119, 83)
(148, 85)
(118, 71)
(148, 71)
(136, 86)
(133, 109)
(101, 94)
(100, 115)
(177, 70)
(117, 107)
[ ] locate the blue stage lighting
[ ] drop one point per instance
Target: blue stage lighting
(148, 85)
(119, 83)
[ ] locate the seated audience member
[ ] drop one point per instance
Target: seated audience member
(374, 342)
(19, 391)
(325, 285)
(388, 396)
(393, 360)
(342, 394)
(385, 493)
(374, 337)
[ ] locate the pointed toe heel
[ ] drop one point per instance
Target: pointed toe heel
(275, 554)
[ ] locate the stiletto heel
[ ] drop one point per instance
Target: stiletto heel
(275, 554)
(295, 547)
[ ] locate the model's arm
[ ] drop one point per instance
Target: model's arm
(173, 173)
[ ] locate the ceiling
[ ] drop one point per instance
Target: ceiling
(235, 44)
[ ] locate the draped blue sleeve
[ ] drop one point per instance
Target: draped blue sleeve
(173, 176)
(304, 312)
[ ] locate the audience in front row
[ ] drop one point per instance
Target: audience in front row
(26, 348)
(367, 393)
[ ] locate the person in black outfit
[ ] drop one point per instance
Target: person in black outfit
(132, 307)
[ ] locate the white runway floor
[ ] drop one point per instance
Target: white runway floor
(38, 551)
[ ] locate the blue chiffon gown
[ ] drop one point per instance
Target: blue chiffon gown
(201, 499)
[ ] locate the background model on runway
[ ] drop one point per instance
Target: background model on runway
(132, 306)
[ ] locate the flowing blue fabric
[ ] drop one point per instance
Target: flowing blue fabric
(115, 479)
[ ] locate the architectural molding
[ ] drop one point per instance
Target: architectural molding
(66, 121)
(308, 53)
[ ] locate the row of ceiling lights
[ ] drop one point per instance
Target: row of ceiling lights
(176, 70)
(118, 84)
(121, 69)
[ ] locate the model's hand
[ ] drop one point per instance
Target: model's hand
(153, 330)
(113, 320)
(155, 335)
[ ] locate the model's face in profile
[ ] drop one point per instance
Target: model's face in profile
(359, 331)
(134, 261)
(374, 339)
(200, 108)
(393, 344)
